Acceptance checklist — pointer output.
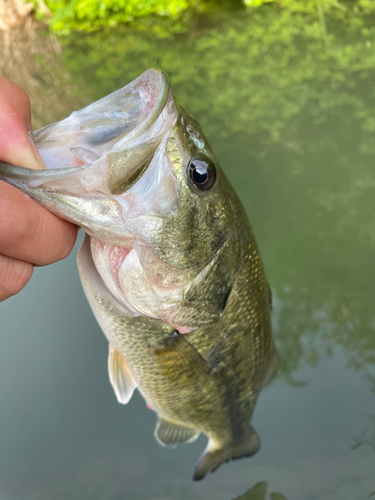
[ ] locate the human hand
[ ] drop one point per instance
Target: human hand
(29, 234)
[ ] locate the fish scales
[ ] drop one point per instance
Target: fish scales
(169, 265)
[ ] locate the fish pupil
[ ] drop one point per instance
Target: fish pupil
(199, 175)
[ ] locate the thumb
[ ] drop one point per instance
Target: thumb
(16, 142)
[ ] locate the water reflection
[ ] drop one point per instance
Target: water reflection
(259, 492)
(367, 437)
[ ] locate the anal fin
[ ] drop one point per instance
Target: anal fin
(120, 376)
(169, 433)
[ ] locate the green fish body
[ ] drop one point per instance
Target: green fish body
(169, 264)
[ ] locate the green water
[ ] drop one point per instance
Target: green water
(287, 100)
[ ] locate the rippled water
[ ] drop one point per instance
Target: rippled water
(289, 109)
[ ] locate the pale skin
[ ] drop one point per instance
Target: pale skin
(29, 235)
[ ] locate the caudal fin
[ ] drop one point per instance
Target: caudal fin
(213, 457)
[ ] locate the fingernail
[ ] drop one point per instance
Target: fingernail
(37, 163)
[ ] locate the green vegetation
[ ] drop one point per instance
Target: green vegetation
(91, 15)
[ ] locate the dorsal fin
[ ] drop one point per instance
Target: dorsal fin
(120, 376)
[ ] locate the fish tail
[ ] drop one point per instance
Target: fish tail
(214, 455)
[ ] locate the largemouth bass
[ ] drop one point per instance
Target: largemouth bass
(170, 265)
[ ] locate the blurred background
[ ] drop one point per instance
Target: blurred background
(285, 92)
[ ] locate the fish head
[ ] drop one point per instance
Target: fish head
(137, 173)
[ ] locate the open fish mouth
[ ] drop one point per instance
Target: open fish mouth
(99, 153)
(116, 169)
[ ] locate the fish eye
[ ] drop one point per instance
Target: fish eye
(202, 172)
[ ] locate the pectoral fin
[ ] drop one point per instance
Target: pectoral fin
(169, 433)
(180, 361)
(120, 376)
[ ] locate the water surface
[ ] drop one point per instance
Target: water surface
(288, 105)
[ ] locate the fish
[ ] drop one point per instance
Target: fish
(169, 264)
